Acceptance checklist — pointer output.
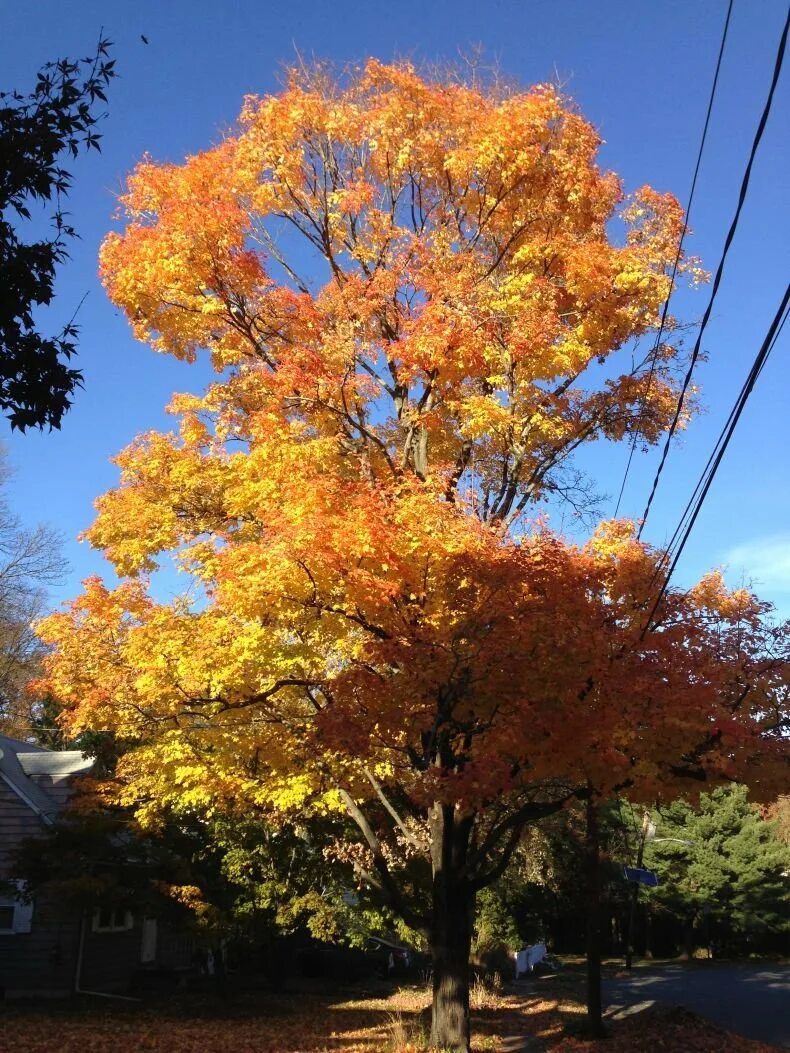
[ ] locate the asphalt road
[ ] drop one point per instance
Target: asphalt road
(752, 1000)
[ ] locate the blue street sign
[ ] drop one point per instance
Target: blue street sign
(641, 877)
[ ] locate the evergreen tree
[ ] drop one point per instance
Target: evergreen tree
(729, 884)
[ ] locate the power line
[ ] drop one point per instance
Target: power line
(720, 269)
(752, 377)
(773, 343)
(683, 232)
(697, 499)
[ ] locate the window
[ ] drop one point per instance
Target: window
(15, 915)
(112, 919)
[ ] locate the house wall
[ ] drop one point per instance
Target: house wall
(17, 822)
(59, 789)
(43, 960)
(110, 959)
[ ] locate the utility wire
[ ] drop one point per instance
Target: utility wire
(694, 505)
(752, 377)
(720, 269)
(773, 343)
(676, 264)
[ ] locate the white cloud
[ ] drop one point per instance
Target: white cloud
(764, 561)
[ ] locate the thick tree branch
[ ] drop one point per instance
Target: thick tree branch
(391, 809)
(512, 826)
(387, 883)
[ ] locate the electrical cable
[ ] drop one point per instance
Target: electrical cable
(700, 482)
(720, 269)
(683, 232)
(694, 505)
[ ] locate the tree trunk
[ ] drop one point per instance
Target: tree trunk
(594, 1009)
(450, 949)
(689, 938)
(451, 932)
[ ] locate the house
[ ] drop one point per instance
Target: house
(50, 948)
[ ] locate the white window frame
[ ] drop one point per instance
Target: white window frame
(115, 925)
(22, 917)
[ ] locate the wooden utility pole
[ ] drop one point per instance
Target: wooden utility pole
(634, 899)
(593, 868)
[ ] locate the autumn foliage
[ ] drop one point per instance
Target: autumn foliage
(414, 293)
(305, 1023)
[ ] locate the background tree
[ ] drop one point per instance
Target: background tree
(728, 887)
(30, 560)
(540, 897)
(38, 131)
(380, 628)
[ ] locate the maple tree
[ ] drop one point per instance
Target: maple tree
(377, 625)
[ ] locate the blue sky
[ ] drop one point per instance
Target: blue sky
(640, 72)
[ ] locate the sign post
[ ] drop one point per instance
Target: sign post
(640, 876)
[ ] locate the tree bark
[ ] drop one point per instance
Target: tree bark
(594, 1008)
(451, 931)
(450, 946)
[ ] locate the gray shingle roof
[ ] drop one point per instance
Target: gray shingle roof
(15, 745)
(57, 764)
(21, 762)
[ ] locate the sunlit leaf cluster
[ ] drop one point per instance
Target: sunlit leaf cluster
(414, 293)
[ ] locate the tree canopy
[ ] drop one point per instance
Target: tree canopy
(381, 623)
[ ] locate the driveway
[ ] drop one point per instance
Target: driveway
(752, 1000)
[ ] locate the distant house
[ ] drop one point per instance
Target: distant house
(48, 948)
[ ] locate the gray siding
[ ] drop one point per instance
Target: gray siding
(17, 822)
(110, 959)
(58, 788)
(42, 960)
